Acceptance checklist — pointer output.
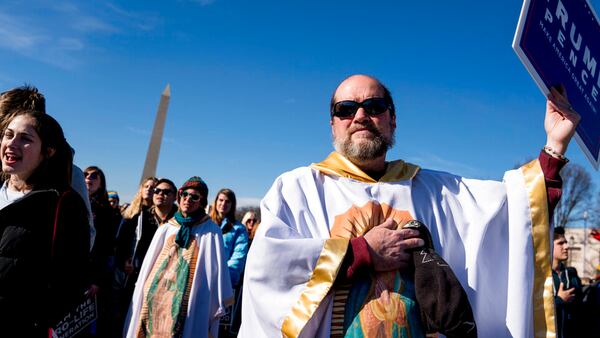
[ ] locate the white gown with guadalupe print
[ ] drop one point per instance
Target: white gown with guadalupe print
(209, 287)
(495, 236)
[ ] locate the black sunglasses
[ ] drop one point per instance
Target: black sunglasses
(165, 192)
(91, 175)
(193, 197)
(373, 107)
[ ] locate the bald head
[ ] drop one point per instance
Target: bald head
(364, 132)
(360, 87)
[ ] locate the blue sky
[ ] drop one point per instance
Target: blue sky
(251, 82)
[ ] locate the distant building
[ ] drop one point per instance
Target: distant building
(582, 244)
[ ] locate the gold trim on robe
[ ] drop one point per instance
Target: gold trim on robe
(354, 222)
(543, 298)
(323, 276)
(337, 165)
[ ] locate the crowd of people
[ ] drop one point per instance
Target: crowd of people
(339, 251)
(66, 237)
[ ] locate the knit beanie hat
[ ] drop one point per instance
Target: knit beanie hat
(194, 182)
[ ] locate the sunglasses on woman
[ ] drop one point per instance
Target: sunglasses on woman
(347, 109)
(91, 175)
(193, 197)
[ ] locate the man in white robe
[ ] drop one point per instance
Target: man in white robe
(337, 219)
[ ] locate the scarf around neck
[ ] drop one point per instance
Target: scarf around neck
(183, 235)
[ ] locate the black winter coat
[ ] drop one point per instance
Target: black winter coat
(36, 287)
(106, 221)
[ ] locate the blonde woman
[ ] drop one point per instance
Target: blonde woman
(250, 221)
(142, 199)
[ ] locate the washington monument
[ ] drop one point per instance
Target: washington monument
(157, 134)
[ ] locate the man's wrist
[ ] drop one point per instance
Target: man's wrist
(555, 152)
(556, 147)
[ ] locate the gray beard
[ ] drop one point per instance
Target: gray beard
(370, 150)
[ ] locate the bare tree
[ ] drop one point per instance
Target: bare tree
(577, 196)
(594, 213)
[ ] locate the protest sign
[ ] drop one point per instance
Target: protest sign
(77, 319)
(559, 43)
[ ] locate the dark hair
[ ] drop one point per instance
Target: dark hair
(230, 215)
(167, 181)
(387, 95)
(26, 97)
(54, 171)
(558, 232)
(101, 195)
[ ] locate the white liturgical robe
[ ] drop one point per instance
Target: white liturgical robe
(495, 236)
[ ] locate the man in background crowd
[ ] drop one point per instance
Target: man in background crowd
(567, 289)
(134, 239)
